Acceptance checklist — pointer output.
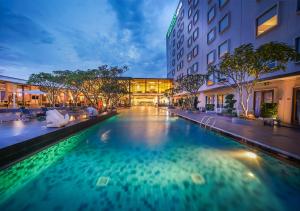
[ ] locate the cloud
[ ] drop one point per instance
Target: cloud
(75, 34)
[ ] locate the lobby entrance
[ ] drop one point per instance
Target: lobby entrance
(144, 100)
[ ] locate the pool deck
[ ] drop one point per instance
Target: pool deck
(14, 132)
(18, 139)
(283, 141)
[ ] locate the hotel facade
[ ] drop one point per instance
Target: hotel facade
(202, 31)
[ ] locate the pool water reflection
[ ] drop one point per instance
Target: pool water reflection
(144, 159)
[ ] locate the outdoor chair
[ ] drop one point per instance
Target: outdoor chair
(56, 119)
(42, 115)
(26, 114)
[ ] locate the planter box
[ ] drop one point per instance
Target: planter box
(240, 121)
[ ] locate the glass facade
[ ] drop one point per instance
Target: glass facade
(267, 21)
(224, 23)
(223, 49)
(149, 91)
(211, 36)
(211, 14)
(211, 57)
(222, 3)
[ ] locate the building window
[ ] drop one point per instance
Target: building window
(188, 71)
(173, 52)
(224, 23)
(267, 21)
(181, 26)
(297, 46)
(174, 32)
(181, 64)
(182, 14)
(211, 57)
(173, 62)
(196, 17)
(189, 56)
(195, 51)
(298, 5)
(210, 99)
(223, 49)
(195, 3)
(190, 41)
(211, 36)
(180, 54)
(190, 26)
(190, 12)
(211, 14)
(220, 101)
(178, 34)
(195, 67)
(222, 3)
(260, 97)
(173, 43)
(195, 34)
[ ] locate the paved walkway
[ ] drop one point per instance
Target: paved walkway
(13, 132)
(279, 139)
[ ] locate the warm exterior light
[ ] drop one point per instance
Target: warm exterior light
(209, 83)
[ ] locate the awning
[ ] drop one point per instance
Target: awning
(34, 92)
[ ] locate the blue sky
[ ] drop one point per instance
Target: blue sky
(46, 35)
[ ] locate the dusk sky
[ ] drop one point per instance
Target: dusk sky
(46, 35)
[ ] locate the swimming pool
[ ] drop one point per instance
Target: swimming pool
(144, 159)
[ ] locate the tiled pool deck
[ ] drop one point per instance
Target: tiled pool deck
(282, 140)
(14, 132)
(19, 139)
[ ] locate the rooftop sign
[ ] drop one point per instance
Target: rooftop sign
(173, 22)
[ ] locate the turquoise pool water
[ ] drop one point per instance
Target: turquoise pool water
(144, 159)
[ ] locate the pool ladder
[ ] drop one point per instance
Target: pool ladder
(206, 120)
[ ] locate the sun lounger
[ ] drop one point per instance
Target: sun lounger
(56, 119)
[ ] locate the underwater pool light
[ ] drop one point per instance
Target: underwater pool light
(251, 155)
(250, 174)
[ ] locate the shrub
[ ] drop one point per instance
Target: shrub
(210, 107)
(269, 110)
(229, 104)
(196, 103)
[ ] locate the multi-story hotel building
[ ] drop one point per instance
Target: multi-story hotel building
(202, 31)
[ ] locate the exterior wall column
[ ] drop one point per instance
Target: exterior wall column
(285, 100)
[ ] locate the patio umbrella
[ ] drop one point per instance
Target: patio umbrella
(34, 92)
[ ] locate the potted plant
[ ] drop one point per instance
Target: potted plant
(269, 112)
(229, 106)
(210, 108)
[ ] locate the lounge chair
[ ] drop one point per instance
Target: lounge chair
(56, 119)
(26, 114)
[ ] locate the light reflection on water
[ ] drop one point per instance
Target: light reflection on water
(149, 160)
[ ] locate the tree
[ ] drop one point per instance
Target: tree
(191, 84)
(68, 79)
(244, 68)
(111, 85)
(169, 93)
(48, 83)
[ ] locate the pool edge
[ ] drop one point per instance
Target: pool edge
(20, 151)
(275, 152)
